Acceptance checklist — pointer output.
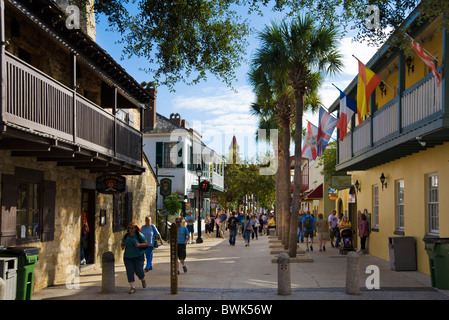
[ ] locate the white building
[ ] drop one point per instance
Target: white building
(176, 150)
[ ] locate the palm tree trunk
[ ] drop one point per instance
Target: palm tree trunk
(285, 177)
(278, 190)
(294, 216)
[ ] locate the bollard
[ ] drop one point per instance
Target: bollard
(108, 272)
(284, 282)
(2, 289)
(352, 274)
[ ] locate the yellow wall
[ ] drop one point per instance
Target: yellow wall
(413, 170)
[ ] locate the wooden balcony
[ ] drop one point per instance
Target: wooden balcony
(41, 117)
(392, 131)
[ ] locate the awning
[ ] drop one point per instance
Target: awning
(315, 194)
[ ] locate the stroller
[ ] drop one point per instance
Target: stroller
(346, 243)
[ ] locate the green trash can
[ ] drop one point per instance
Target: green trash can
(27, 258)
(438, 252)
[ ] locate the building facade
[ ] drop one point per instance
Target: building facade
(398, 155)
(61, 129)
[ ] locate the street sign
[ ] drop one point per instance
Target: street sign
(341, 182)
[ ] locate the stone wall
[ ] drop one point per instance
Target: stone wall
(64, 251)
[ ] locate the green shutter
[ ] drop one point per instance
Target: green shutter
(159, 154)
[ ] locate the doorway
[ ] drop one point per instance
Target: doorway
(352, 214)
(88, 238)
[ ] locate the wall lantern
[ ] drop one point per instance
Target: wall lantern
(383, 180)
(357, 186)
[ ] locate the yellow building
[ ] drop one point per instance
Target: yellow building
(405, 144)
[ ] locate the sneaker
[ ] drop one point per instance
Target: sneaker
(144, 284)
(184, 268)
(83, 262)
(311, 248)
(132, 290)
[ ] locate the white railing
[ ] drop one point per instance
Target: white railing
(385, 121)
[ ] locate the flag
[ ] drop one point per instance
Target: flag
(429, 61)
(326, 127)
(310, 142)
(367, 82)
(347, 108)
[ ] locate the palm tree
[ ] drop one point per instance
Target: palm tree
(302, 52)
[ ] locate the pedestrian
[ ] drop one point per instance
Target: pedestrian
(321, 231)
(247, 229)
(84, 232)
(340, 218)
(183, 238)
(212, 222)
(223, 218)
(190, 222)
(300, 229)
(207, 224)
(333, 229)
(217, 225)
(308, 224)
(255, 226)
(363, 233)
(134, 244)
(271, 225)
(344, 223)
(150, 232)
(241, 217)
(233, 223)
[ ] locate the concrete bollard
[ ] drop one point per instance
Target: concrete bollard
(284, 282)
(108, 272)
(352, 274)
(2, 289)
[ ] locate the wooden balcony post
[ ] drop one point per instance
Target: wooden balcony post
(73, 62)
(114, 112)
(401, 87)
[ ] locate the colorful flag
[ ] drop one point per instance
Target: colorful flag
(429, 61)
(326, 127)
(310, 142)
(367, 82)
(347, 108)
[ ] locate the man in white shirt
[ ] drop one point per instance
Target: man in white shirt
(333, 228)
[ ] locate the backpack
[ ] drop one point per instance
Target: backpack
(308, 223)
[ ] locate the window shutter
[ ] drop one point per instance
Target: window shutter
(48, 210)
(129, 208)
(8, 210)
(159, 154)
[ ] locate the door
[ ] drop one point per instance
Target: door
(88, 205)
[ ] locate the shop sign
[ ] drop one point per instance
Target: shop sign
(333, 194)
(165, 187)
(111, 184)
(341, 182)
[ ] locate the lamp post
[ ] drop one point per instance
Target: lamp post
(199, 172)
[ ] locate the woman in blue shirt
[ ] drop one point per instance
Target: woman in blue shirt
(134, 244)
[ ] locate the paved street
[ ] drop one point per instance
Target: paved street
(217, 271)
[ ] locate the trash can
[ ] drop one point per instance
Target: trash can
(402, 253)
(8, 272)
(438, 252)
(26, 258)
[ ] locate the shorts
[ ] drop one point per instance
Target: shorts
(321, 235)
(308, 233)
(182, 252)
(190, 228)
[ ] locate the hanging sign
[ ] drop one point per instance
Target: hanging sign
(110, 184)
(165, 187)
(341, 182)
(333, 194)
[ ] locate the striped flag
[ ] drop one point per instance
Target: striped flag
(367, 83)
(326, 127)
(347, 108)
(310, 142)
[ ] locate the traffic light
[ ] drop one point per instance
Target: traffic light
(205, 186)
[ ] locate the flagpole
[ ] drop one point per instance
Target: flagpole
(378, 76)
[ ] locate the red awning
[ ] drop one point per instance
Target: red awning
(315, 194)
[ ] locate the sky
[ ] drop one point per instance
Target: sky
(218, 112)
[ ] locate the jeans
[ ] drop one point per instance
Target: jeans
(300, 235)
(232, 234)
(83, 237)
(247, 235)
(149, 255)
(134, 266)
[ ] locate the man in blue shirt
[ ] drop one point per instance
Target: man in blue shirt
(183, 238)
(190, 221)
(308, 223)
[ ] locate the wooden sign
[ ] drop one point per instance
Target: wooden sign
(110, 184)
(174, 258)
(165, 187)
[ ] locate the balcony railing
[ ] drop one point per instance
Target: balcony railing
(419, 104)
(38, 102)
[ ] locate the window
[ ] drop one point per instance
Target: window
(432, 204)
(400, 205)
(28, 213)
(376, 207)
(123, 210)
(170, 154)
